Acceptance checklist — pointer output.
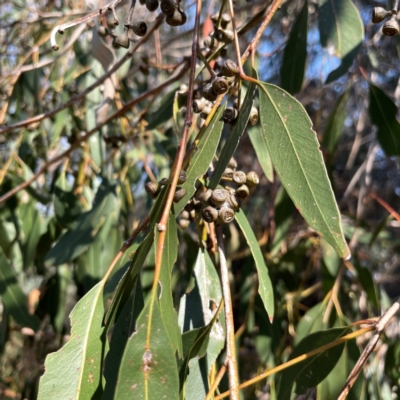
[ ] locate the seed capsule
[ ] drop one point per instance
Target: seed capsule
(139, 28)
(252, 179)
(228, 173)
(239, 177)
(229, 68)
(242, 191)
(152, 5)
(152, 189)
(185, 214)
(253, 118)
(204, 197)
(220, 86)
(122, 40)
(391, 27)
(178, 18)
(233, 201)
(210, 214)
(206, 111)
(225, 19)
(227, 35)
(230, 114)
(182, 177)
(163, 181)
(232, 163)
(102, 31)
(198, 105)
(179, 194)
(379, 14)
(219, 196)
(184, 223)
(209, 93)
(168, 7)
(226, 215)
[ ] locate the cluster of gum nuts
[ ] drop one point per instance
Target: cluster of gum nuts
(390, 27)
(218, 205)
(171, 8)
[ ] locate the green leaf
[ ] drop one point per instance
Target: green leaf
(335, 124)
(167, 309)
(164, 111)
(310, 372)
(261, 150)
(122, 330)
(295, 54)
(75, 371)
(264, 282)
(340, 25)
(14, 300)
(368, 284)
(203, 156)
(311, 321)
(296, 157)
(392, 362)
(148, 367)
(88, 225)
(284, 208)
(383, 114)
(330, 258)
(234, 137)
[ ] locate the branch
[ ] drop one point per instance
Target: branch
(80, 96)
(230, 329)
(379, 328)
(127, 107)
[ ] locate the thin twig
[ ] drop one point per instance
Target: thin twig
(379, 328)
(217, 380)
(84, 138)
(230, 329)
(80, 96)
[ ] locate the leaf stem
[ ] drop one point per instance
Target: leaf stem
(230, 329)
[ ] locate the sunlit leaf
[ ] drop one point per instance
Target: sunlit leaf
(340, 25)
(12, 297)
(311, 321)
(75, 371)
(383, 114)
(313, 370)
(234, 137)
(264, 282)
(203, 156)
(295, 54)
(148, 367)
(296, 157)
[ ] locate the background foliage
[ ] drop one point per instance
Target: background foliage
(60, 234)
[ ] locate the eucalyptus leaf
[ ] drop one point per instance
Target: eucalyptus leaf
(296, 157)
(295, 54)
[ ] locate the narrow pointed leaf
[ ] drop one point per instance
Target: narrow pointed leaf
(75, 371)
(296, 157)
(335, 124)
(167, 309)
(264, 282)
(148, 367)
(234, 137)
(383, 114)
(313, 370)
(295, 54)
(12, 297)
(261, 149)
(340, 25)
(203, 156)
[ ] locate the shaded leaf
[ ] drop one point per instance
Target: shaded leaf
(265, 286)
(330, 258)
(261, 150)
(335, 124)
(75, 371)
(76, 241)
(296, 157)
(234, 137)
(311, 321)
(383, 114)
(148, 367)
(203, 156)
(163, 112)
(340, 25)
(368, 284)
(295, 54)
(313, 370)
(14, 300)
